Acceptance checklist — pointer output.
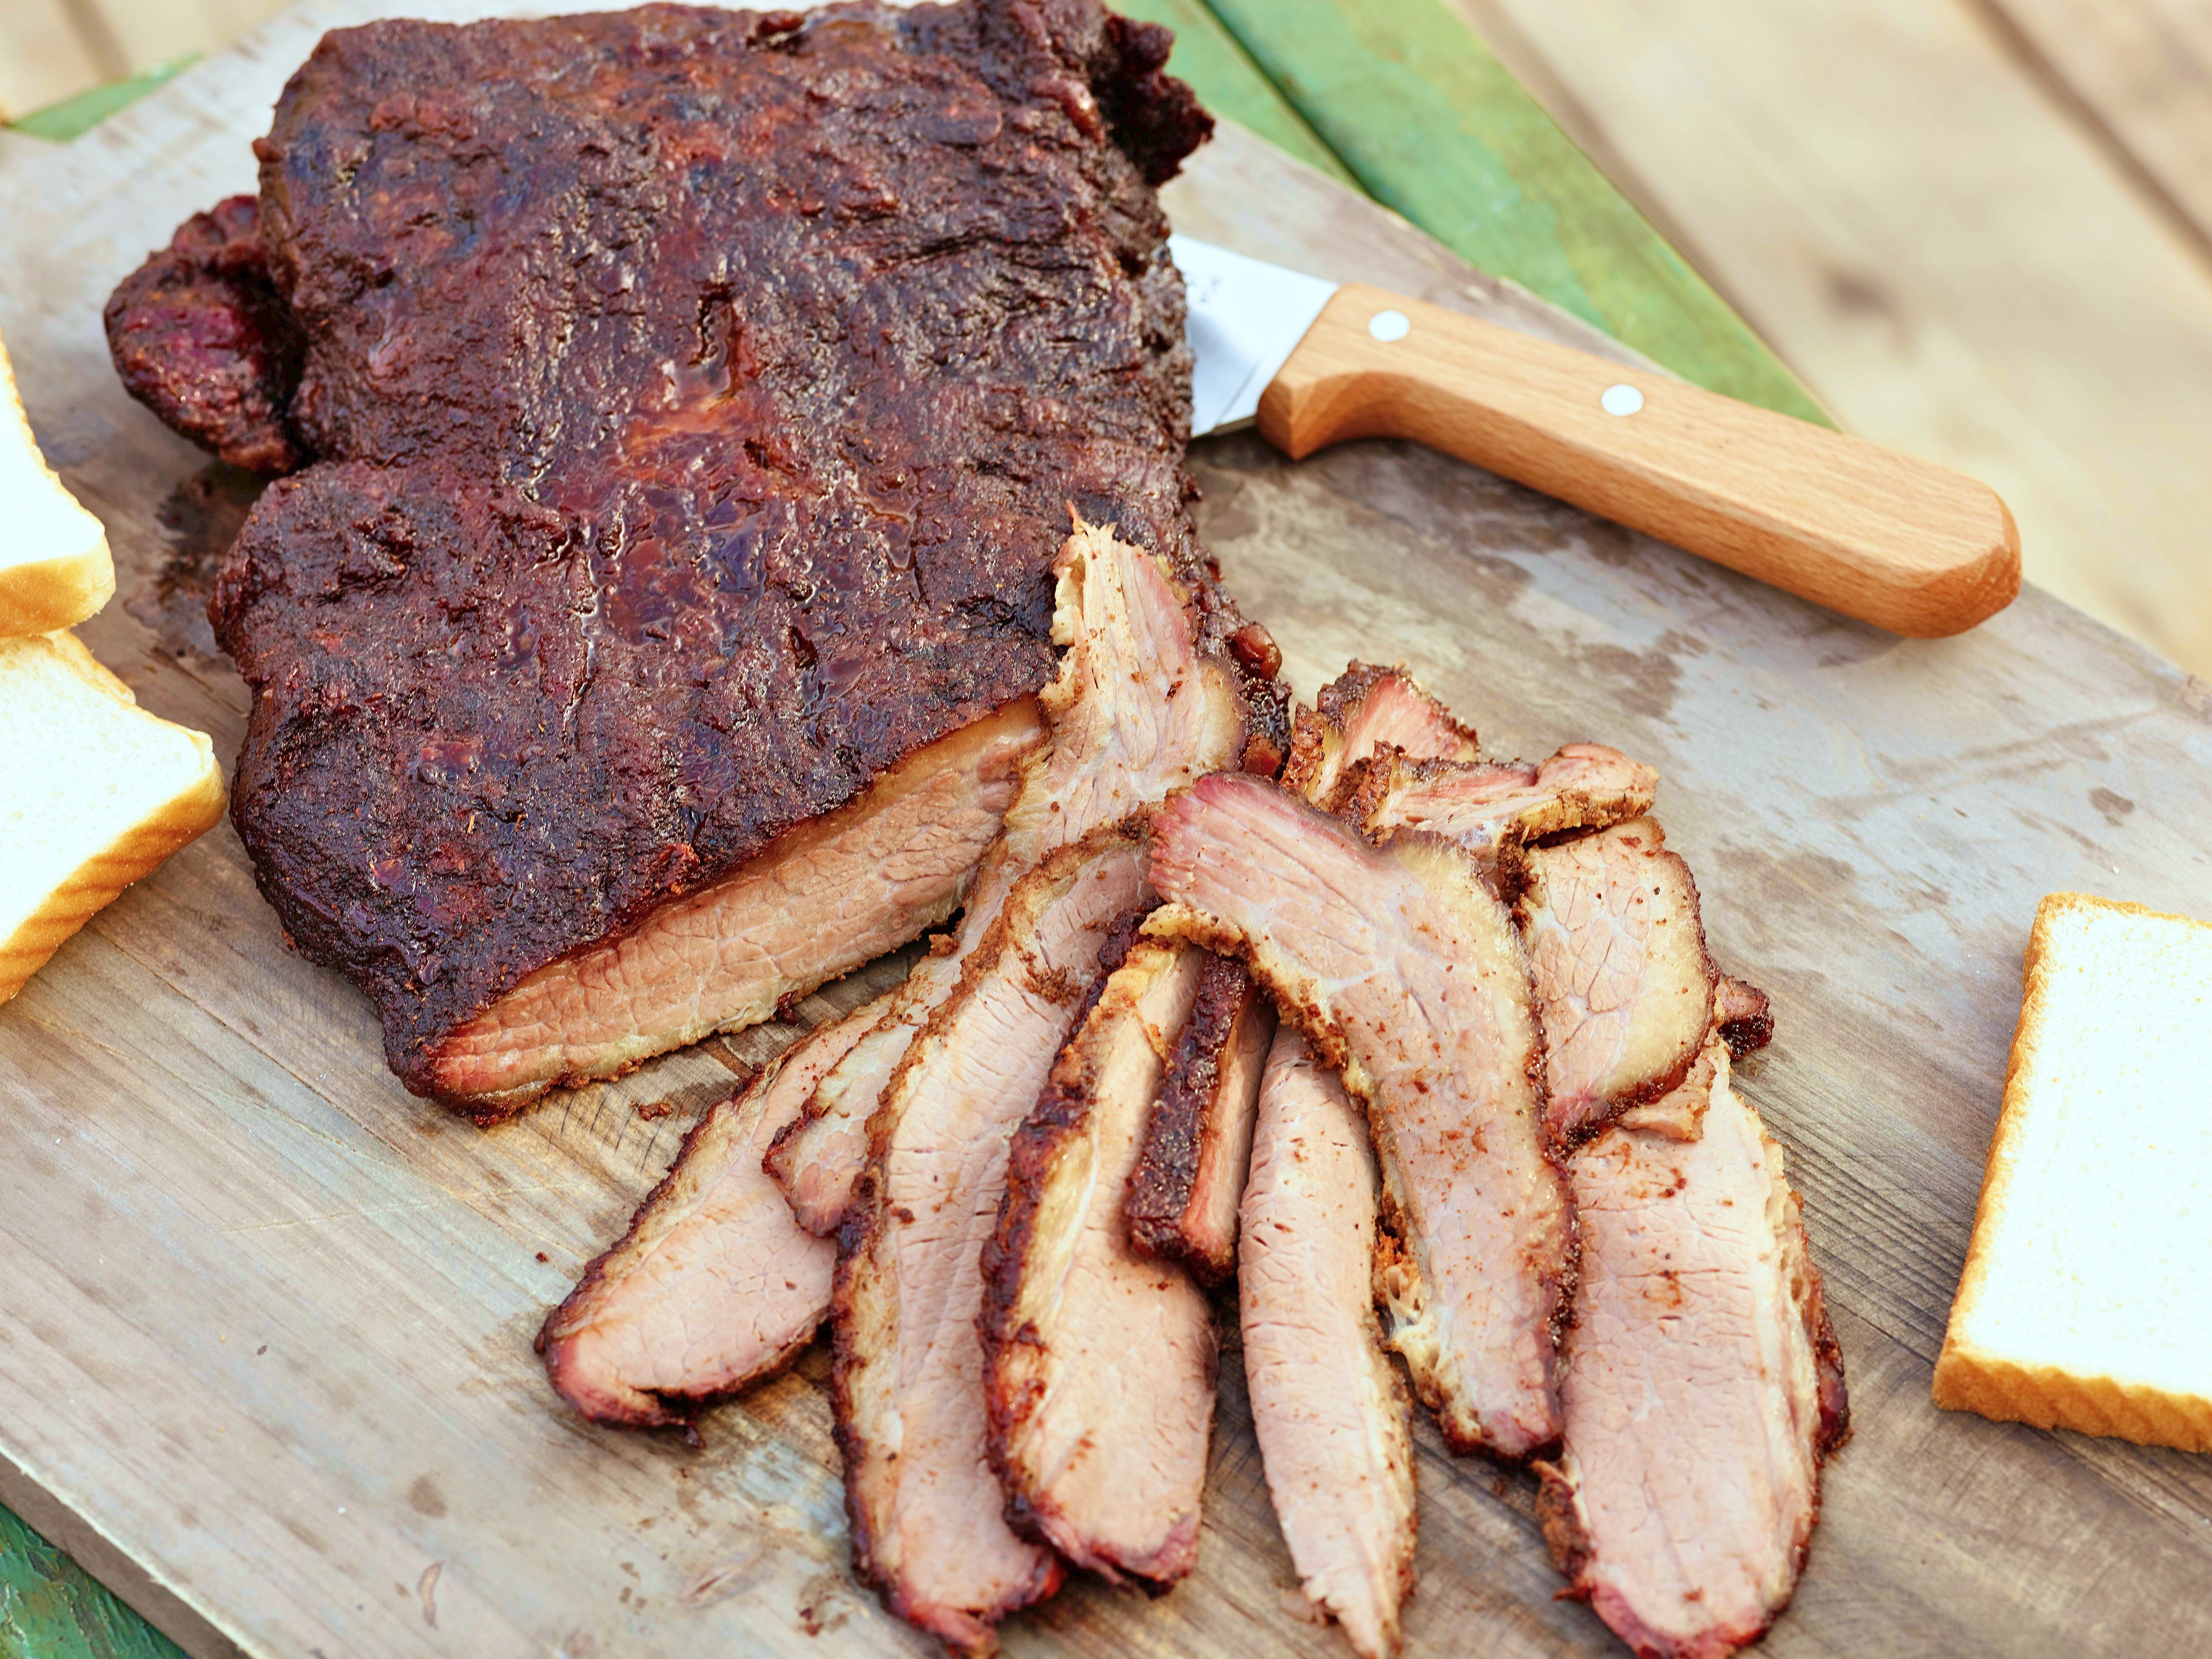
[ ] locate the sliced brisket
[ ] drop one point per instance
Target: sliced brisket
(1189, 1173)
(1701, 1382)
(1363, 710)
(1099, 1365)
(1328, 1405)
(929, 1530)
(1143, 701)
(1406, 971)
(700, 397)
(1494, 810)
(1623, 981)
(713, 1286)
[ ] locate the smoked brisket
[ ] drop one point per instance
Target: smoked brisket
(696, 401)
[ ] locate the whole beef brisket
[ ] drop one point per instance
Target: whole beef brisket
(698, 400)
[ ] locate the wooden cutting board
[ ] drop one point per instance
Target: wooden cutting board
(264, 1333)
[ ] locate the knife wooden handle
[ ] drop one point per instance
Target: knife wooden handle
(1901, 543)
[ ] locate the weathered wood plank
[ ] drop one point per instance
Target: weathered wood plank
(201, 1158)
(2139, 73)
(1956, 268)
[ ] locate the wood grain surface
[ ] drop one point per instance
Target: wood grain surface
(265, 1354)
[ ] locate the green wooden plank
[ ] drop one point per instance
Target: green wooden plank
(74, 117)
(49, 1609)
(1229, 83)
(1433, 126)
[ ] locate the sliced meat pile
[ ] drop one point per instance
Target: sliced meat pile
(680, 411)
(1702, 1383)
(1189, 1173)
(1099, 1365)
(1329, 1408)
(1136, 712)
(1404, 970)
(1140, 706)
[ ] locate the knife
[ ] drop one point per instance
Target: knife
(1901, 543)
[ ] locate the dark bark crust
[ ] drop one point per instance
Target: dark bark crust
(1164, 1186)
(702, 399)
(201, 336)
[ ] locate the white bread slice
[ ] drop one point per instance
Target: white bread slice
(94, 792)
(55, 570)
(2079, 1305)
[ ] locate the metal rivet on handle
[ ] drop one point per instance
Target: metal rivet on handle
(1621, 400)
(1389, 325)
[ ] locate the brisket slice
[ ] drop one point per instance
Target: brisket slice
(1364, 709)
(1145, 698)
(701, 397)
(1701, 1382)
(928, 1515)
(1405, 971)
(1328, 1405)
(821, 901)
(1189, 1173)
(1623, 983)
(1494, 810)
(713, 1287)
(1099, 1365)
(1743, 1014)
(201, 336)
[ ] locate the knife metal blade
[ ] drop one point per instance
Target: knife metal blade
(1246, 318)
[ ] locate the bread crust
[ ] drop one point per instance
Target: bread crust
(38, 596)
(137, 851)
(1969, 1377)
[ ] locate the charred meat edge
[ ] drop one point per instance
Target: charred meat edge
(466, 1062)
(1658, 1082)
(1190, 1151)
(1558, 1509)
(1365, 708)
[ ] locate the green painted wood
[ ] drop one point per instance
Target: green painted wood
(50, 1609)
(1433, 126)
(1229, 83)
(74, 117)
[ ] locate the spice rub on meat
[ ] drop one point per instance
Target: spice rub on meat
(1182, 1193)
(697, 400)
(1403, 969)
